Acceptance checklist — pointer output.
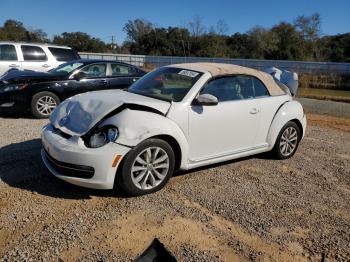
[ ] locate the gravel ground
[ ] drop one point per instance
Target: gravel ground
(252, 209)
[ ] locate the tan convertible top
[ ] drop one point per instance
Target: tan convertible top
(218, 69)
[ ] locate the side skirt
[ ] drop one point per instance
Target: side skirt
(228, 156)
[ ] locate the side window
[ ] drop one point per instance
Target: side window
(63, 54)
(245, 86)
(121, 70)
(8, 53)
(33, 53)
(260, 89)
(95, 70)
(230, 88)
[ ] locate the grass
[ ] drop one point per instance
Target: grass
(325, 94)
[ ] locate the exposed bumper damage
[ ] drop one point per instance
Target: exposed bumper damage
(70, 154)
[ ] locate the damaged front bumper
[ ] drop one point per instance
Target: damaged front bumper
(69, 159)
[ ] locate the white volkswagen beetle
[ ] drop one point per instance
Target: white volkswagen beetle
(176, 117)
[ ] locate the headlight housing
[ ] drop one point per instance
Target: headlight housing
(103, 136)
(13, 87)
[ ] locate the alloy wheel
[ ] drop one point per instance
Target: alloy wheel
(288, 141)
(45, 105)
(150, 168)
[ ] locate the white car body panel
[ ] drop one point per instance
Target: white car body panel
(85, 110)
(204, 134)
(134, 132)
(21, 64)
(268, 106)
(288, 111)
(233, 123)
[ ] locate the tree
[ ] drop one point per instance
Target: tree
(196, 27)
(80, 41)
(289, 44)
(237, 45)
(221, 27)
(13, 30)
(309, 26)
(336, 48)
(310, 29)
(37, 36)
(137, 28)
(261, 43)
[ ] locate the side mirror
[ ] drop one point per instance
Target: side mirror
(206, 100)
(80, 75)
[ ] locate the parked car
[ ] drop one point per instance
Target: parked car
(176, 117)
(33, 56)
(41, 92)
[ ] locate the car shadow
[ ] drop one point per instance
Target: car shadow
(16, 115)
(266, 155)
(21, 167)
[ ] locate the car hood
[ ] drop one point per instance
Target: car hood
(78, 114)
(14, 75)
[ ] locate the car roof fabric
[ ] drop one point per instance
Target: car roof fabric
(220, 69)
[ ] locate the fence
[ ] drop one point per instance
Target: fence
(297, 66)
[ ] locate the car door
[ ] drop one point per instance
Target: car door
(35, 58)
(90, 77)
(95, 77)
(122, 76)
(228, 127)
(8, 58)
(268, 105)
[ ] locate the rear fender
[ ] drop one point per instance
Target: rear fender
(291, 110)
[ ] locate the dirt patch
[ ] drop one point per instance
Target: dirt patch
(339, 123)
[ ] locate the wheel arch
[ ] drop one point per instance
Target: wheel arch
(290, 111)
(174, 145)
(45, 87)
(297, 121)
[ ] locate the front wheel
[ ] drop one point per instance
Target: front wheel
(287, 141)
(147, 167)
(43, 104)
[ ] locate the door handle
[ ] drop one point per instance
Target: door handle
(254, 111)
(13, 65)
(46, 65)
(103, 82)
(134, 79)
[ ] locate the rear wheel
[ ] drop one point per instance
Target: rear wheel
(287, 141)
(43, 104)
(147, 167)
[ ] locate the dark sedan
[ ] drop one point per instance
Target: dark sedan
(40, 93)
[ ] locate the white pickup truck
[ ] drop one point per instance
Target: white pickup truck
(33, 56)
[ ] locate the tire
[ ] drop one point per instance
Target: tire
(287, 141)
(137, 176)
(43, 104)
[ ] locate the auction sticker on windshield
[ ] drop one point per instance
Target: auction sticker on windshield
(188, 73)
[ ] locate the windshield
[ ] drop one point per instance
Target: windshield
(65, 68)
(166, 83)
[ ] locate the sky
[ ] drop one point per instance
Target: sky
(106, 18)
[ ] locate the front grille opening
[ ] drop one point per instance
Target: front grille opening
(68, 169)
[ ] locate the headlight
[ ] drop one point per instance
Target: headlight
(103, 136)
(13, 87)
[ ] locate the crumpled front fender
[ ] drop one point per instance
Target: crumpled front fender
(136, 126)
